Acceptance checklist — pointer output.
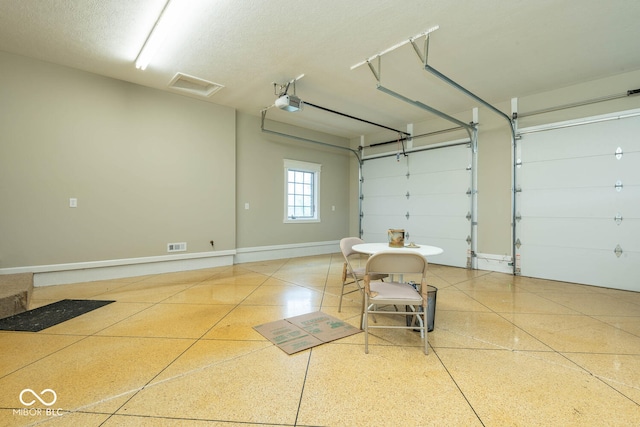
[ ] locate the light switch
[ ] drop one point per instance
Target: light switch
(73, 202)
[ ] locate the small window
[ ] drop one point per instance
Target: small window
(301, 191)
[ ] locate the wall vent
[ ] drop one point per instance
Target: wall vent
(193, 85)
(176, 247)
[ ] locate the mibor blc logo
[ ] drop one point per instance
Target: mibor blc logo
(37, 396)
(46, 397)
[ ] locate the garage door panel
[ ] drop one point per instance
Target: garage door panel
(384, 205)
(439, 204)
(450, 182)
(385, 186)
(595, 139)
(378, 225)
(445, 159)
(576, 203)
(572, 173)
(587, 233)
(579, 204)
(384, 167)
(582, 265)
(451, 255)
(374, 235)
(437, 227)
(437, 182)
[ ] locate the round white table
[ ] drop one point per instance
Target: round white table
(372, 248)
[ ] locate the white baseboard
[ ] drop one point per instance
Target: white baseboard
(498, 263)
(267, 253)
(58, 274)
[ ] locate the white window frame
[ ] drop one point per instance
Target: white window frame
(315, 169)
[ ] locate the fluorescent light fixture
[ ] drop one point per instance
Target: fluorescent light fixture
(169, 18)
(395, 46)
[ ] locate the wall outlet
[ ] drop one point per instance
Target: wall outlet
(176, 247)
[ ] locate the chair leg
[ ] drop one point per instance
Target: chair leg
(425, 327)
(362, 313)
(344, 280)
(341, 295)
(365, 321)
(421, 324)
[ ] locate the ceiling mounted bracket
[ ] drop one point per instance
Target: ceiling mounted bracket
(424, 54)
(394, 47)
(283, 89)
(376, 73)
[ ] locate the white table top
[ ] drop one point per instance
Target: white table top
(372, 248)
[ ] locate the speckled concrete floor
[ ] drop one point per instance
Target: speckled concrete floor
(179, 349)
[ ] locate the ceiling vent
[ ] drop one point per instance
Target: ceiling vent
(193, 85)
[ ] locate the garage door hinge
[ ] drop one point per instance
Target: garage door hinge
(518, 244)
(618, 186)
(619, 153)
(468, 216)
(408, 195)
(618, 218)
(618, 251)
(518, 216)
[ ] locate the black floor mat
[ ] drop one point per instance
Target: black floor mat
(49, 315)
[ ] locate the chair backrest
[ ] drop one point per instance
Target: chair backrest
(396, 263)
(346, 245)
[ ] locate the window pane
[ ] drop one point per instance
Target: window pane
(301, 197)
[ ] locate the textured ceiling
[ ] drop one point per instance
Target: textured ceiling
(498, 49)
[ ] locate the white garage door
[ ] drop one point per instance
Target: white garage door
(427, 194)
(579, 202)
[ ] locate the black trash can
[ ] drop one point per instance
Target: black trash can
(432, 293)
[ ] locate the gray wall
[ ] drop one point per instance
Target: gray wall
(147, 167)
(260, 182)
